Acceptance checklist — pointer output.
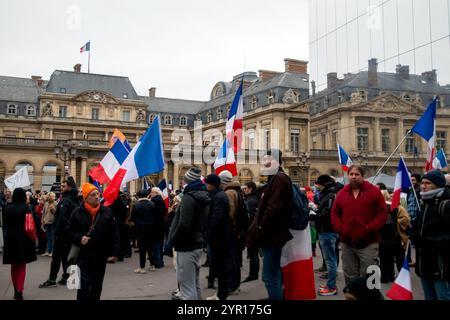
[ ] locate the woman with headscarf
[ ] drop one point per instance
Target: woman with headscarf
(92, 227)
(19, 248)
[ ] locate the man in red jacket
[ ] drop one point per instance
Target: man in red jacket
(358, 214)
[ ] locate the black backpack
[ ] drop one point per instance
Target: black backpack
(242, 219)
(300, 210)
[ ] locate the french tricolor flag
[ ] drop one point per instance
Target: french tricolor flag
(86, 47)
(297, 266)
(108, 167)
(402, 183)
(163, 187)
(426, 128)
(402, 289)
(146, 158)
(344, 159)
(235, 120)
(440, 162)
(225, 159)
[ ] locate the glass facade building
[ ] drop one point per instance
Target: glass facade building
(345, 34)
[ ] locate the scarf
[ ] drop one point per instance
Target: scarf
(93, 211)
(433, 193)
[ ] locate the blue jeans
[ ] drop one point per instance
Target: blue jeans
(50, 234)
(271, 273)
(436, 289)
(328, 244)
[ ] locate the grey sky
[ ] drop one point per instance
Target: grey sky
(181, 47)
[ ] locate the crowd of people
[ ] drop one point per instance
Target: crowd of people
(353, 224)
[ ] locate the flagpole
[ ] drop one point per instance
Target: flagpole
(414, 190)
(389, 158)
(89, 58)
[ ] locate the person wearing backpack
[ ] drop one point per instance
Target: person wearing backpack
(270, 228)
(327, 236)
(431, 236)
(358, 214)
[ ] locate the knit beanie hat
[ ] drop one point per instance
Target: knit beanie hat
(436, 177)
(193, 174)
(323, 180)
(86, 189)
(225, 177)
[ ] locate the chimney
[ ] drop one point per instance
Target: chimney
(297, 66)
(77, 68)
(265, 75)
(402, 72)
(38, 80)
(372, 77)
(430, 76)
(313, 86)
(152, 92)
(332, 80)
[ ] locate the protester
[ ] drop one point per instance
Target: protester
(186, 234)
(358, 214)
(40, 232)
(93, 229)
(121, 210)
(48, 222)
(431, 236)
(269, 230)
(19, 249)
(251, 196)
(160, 212)
(414, 197)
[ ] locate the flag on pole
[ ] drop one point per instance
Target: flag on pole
(147, 157)
(108, 167)
(18, 180)
(426, 128)
(344, 159)
(297, 266)
(225, 159)
(440, 162)
(118, 135)
(402, 183)
(402, 289)
(235, 120)
(163, 187)
(86, 47)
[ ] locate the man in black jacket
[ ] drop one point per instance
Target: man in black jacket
(66, 205)
(327, 235)
(186, 234)
(93, 228)
(431, 236)
(251, 197)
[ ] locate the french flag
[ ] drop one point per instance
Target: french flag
(235, 120)
(146, 158)
(297, 266)
(344, 159)
(426, 128)
(402, 183)
(402, 289)
(225, 159)
(118, 135)
(440, 162)
(163, 187)
(86, 47)
(108, 167)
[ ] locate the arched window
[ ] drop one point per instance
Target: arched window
(271, 97)
(31, 110)
(183, 121)
(152, 117)
(168, 120)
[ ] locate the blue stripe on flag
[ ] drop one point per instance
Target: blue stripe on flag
(119, 151)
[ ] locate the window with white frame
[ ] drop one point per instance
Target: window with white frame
(126, 115)
(410, 144)
(251, 140)
(31, 110)
(271, 97)
(209, 117)
(183, 121)
(295, 140)
(63, 111)
(219, 114)
(11, 109)
(254, 103)
(385, 140)
(267, 138)
(363, 139)
(95, 113)
(152, 118)
(441, 139)
(168, 120)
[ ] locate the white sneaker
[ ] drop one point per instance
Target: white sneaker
(213, 297)
(44, 254)
(151, 268)
(138, 270)
(50, 254)
(142, 271)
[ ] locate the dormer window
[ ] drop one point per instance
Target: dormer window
(125, 95)
(62, 90)
(12, 109)
(363, 95)
(254, 103)
(407, 97)
(168, 120)
(219, 114)
(270, 97)
(31, 110)
(183, 121)
(209, 117)
(152, 117)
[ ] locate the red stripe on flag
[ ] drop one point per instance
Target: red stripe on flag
(396, 199)
(112, 190)
(399, 293)
(98, 174)
(298, 280)
(229, 167)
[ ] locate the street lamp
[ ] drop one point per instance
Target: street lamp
(303, 163)
(65, 151)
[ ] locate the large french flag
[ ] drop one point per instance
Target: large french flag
(108, 167)
(235, 120)
(297, 267)
(344, 159)
(440, 162)
(163, 187)
(146, 158)
(225, 159)
(426, 128)
(402, 289)
(402, 183)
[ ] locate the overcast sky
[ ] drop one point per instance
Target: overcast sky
(180, 47)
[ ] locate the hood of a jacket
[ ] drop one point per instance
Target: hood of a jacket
(233, 185)
(201, 196)
(329, 188)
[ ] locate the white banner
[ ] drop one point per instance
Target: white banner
(18, 180)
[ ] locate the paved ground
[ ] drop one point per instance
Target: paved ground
(121, 283)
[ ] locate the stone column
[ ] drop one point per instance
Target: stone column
(258, 136)
(73, 168)
(37, 180)
(400, 133)
(74, 134)
(106, 136)
(287, 132)
(83, 175)
(51, 134)
(176, 182)
(21, 133)
(377, 135)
